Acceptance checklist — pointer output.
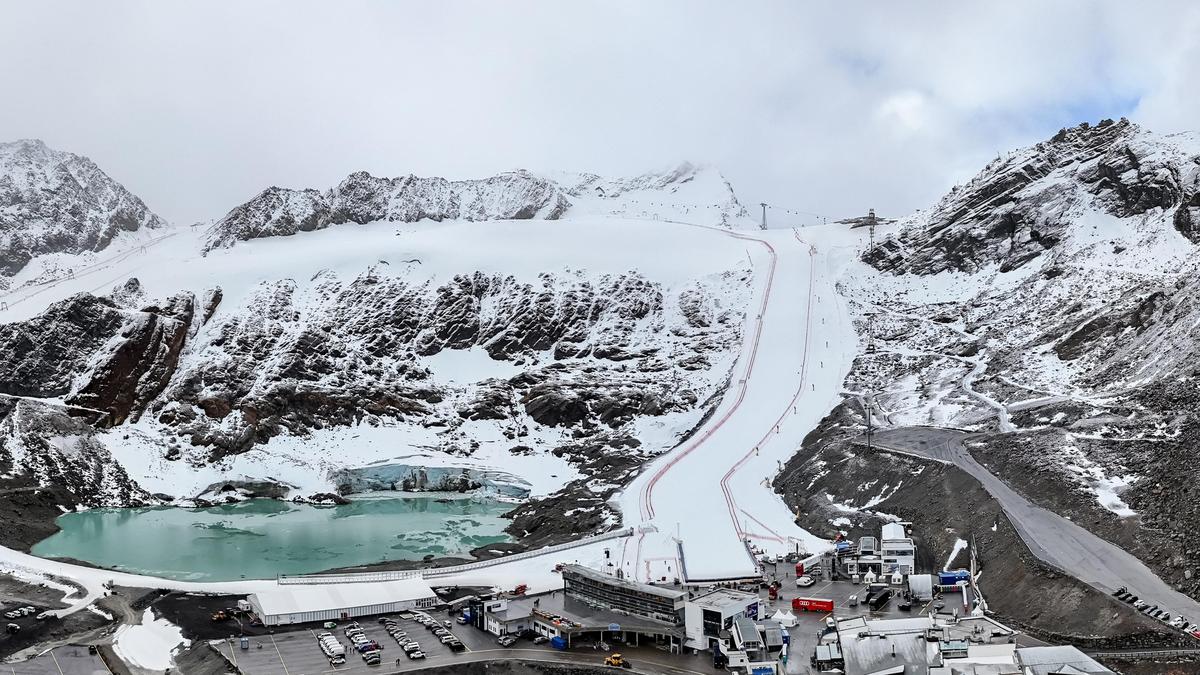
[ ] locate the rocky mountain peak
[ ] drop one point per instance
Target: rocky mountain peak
(1028, 201)
(364, 198)
(59, 202)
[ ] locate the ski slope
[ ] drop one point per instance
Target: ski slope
(711, 496)
(698, 504)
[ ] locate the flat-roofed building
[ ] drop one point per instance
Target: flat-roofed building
(303, 603)
(623, 595)
(707, 616)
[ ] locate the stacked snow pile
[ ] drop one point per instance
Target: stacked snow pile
(151, 645)
(53, 201)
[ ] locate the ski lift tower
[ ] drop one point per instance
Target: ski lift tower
(871, 221)
(764, 220)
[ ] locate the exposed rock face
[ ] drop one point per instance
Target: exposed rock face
(95, 355)
(135, 368)
(42, 445)
(43, 356)
(1052, 305)
(53, 201)
(1027, 202)
(297, 359)
(363, 198)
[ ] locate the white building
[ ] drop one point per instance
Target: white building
(500, 619)
(706, 616)
(897, 550)
(303, 603)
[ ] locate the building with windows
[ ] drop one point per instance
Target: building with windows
(896, 550)
(892, 556)
(755, 647)
(709, 618)
(624, 596)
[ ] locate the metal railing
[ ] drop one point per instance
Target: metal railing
(437, 572)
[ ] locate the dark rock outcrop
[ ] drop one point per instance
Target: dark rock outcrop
(1024, 204)
(58, 202)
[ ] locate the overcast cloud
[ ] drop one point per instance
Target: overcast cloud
(196, 106)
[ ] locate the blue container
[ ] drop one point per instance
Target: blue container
(558, 642)
(951, 577)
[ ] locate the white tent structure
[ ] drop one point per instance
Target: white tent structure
(303, 603)
(785, 619)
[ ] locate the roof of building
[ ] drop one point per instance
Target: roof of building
(893, 531)
(1049, 660)
(724, 600)
(582, 616)
(747, 630)
(298, 598)
(600, 577)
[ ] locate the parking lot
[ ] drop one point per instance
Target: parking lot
(296, 652)
(68, 660)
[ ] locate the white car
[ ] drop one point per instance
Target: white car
(805, 581)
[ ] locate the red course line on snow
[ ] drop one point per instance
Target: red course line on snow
(791, 404)
(647, 498)
(647, 495)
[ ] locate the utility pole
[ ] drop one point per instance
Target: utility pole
(871, 224)
(871, 332)
(764, 220)
(870, 422)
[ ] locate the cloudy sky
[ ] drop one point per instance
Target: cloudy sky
(196, 106)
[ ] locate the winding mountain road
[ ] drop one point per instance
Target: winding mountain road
(1049, 536)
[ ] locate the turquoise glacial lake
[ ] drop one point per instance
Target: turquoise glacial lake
(261, 538)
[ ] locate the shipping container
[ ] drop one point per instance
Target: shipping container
(558, 642)
(952, 577)
(812, 605)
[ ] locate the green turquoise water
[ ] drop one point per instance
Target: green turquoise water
(261, 538)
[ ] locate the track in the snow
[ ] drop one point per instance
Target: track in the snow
(646, 500)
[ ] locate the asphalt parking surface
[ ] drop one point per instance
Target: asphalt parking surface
(297, 652)
(68, 660)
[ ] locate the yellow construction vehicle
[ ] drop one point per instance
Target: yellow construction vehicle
(617, 661)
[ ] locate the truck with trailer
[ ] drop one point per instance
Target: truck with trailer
(812, 605)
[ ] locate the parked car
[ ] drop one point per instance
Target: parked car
(805, 581)
(416, 655)
(541, 639)
(506, 640)
(462, 620)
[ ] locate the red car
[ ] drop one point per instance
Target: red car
(1196, 633)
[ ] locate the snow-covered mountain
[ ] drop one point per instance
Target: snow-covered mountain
(696, 192)
(1050, 305)
(513, 332)
(58, 202)
(363, 198)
